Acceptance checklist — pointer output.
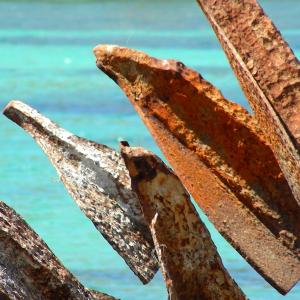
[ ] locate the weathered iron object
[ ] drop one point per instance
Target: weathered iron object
(219, 152)
(98, 181)
(28, 268)
(190, 263)
(269, 74)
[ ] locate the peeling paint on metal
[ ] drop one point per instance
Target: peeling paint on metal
(190, 263)
(98, 181)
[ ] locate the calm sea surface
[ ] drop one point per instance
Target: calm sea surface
(46, 60)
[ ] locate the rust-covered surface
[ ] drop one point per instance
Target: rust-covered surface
(28, 268)
(269, 74)
(220, 154)
(190, 263)
(98, 181)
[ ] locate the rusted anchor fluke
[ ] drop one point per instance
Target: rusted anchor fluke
(29, 269)
(98, 181)
(269, 74)
(190, 263)
(220, 154)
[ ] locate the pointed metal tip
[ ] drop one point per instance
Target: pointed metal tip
(104, 49)
(12, 105)
(15, 110)
(104, 53)
(123, 144)
(108, 55)
(139, 161)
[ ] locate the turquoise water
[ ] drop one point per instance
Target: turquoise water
(46, 60)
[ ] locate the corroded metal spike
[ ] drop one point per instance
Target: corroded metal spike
(269, 74)
(98, 181)
(28, 268)
(220, 154)
(190, 263)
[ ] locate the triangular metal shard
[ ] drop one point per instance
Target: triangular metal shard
(98, 181)
(269, 74)
(220, 154)
(190, 263)
(29, 269)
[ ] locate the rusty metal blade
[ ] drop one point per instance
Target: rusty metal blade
(220, 154)
(28, 268)
(191, 265)
(98, 181)
(269, 74)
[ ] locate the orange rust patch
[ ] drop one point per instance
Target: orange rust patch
(220, 154)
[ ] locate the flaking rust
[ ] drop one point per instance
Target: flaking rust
(269, 74)
(98, 181)
(28, 268)
(220, 154)
(189, 261)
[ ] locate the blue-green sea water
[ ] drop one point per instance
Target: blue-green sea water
(46, 60)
